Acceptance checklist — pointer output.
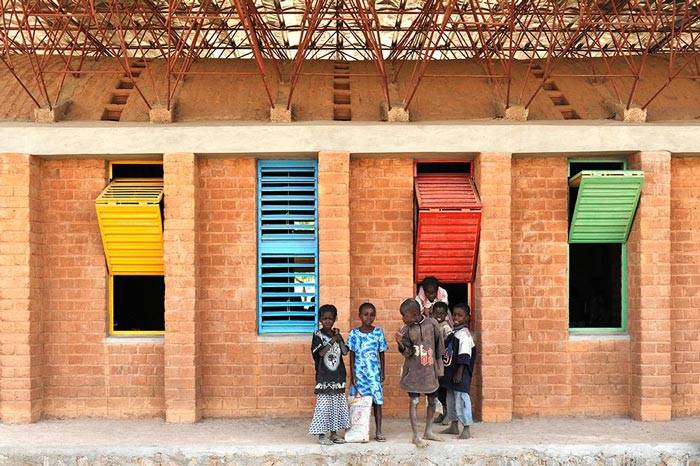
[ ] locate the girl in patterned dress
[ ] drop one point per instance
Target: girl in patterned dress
(327, 349)
(367, 346)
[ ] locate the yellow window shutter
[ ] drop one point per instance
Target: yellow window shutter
(129, 214)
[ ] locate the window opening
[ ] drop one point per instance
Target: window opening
(130, 216)
(138, 304)
(443, 167)
(447, 222)
(287, 246)
(597, 271)
(136, 169)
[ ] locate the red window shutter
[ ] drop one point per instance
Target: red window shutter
(447, 233)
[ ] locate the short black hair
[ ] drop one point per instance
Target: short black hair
(439, 305)
(409, 305)
(430, 282)
(366, 305)
(328, 309)
(463, 306)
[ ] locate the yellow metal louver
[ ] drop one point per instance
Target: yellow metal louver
(128, 211)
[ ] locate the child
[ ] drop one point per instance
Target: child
(327, 348)
(422, 346)
(460, 355)
(439, 312)
(429, 293)
(367, 346)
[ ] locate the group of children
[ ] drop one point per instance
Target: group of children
(439, 355)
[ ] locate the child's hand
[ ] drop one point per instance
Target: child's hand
(336, 335)
(399, 337)
(457, 376)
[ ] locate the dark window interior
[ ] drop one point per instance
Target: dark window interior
(139, 302)
(443, 167)
(576, 167)
(137, 170)
(595, 272)
(595, 285)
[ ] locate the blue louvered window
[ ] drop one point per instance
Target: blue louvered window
(287, 246)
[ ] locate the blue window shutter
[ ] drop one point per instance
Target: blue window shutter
(287, 246)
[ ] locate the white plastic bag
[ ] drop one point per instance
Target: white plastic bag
(360, 412)
(439, 408)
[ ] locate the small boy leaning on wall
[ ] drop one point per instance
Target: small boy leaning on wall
(459, 358)
(421, 343)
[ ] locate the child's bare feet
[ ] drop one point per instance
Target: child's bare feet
(465, 434)
(324, 440)
(452, 430)
(432, 436)
(419, 442)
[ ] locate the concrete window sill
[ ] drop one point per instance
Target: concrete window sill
(126, 340)
(592, 336)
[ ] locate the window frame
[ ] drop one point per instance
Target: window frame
(623, 263)
(280, 163)
(127, 333)
(110, 277)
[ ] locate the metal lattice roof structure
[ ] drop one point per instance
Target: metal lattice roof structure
(280, 35)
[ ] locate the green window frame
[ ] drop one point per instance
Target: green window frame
(623, 261)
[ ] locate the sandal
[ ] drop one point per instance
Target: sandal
(380, 438)
(336, 439)
(324, 440)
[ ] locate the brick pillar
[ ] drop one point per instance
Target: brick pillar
(649, 294)
(494, 288)
(181, 341)
(20, 289)
(334, 233)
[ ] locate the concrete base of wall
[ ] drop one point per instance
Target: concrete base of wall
(285, 442)
(395, 114)
(51, 115)
(516, 113)
(160, 114)
(280, 114)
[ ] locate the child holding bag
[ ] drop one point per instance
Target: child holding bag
(367, 346)
(327, 349)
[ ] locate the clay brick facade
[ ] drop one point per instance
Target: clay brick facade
(57, 361)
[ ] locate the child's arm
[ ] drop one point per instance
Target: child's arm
(381, 364)
(352, 368)
(339, 339)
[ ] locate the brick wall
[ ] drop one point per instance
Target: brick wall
(381, 232)
(552, 375)
(493, 317)
(540, 314)
(685, 286)
(21, 387)
(61, 363)
(649, 296)
(84, 375)
(243, 374)
(334, 233)
(599, 374)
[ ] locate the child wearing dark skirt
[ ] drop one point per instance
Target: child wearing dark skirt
(327, 349)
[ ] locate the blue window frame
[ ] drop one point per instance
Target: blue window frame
(287, 246)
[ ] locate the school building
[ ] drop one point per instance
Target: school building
(182, 185)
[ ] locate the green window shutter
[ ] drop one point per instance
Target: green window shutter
(605, 205)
